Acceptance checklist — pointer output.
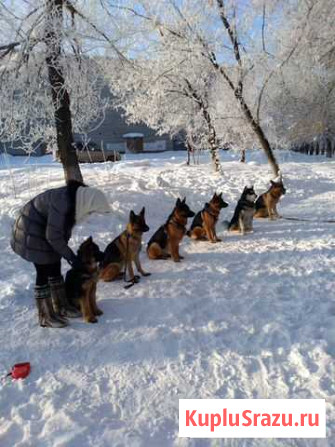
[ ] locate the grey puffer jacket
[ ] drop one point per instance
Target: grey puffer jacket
(43, 228)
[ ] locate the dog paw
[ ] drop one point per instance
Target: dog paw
(98, 312)
(91, 320)
(218, 240)
(177, 260)
(146, 274)
(181, 257)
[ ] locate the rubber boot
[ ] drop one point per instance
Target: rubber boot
(60, 302)
(44, 304)
(53, 313)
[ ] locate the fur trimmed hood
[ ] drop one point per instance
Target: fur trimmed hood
(90, 200)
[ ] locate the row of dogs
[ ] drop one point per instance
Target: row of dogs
(119, 256)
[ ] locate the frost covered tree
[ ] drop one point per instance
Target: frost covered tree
(171, 97)
(45, 61)
(253, 51)
(301, 95)
(217, 35)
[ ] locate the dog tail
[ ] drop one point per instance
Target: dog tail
(226, 224)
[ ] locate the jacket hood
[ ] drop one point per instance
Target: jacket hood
(90, 200)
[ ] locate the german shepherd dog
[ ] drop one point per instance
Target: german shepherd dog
(204, 223)
(165, 241)
(81, 285)
(124, 250)
(242, 220)
(266, 204)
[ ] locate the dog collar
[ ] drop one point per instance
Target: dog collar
(209, 211)
(177, 224)
(247, 203)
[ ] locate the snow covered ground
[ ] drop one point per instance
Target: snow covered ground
(251, 317)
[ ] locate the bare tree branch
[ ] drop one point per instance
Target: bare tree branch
(8, 48)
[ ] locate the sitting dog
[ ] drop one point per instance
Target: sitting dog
(165, 241)
(242, 220)
(266, 204)
(124, 250)
(81, 284)
(204, 223)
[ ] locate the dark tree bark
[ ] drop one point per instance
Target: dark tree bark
(242, 159)
(317, 147)
(312, 147)
(190, 151)
(322, 147)
(60, 96)
(188, 155)
(328, 148)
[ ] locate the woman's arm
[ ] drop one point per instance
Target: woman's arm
(56, 230)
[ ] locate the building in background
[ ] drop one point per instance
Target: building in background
(114, 134)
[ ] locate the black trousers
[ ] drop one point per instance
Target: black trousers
(46, 271)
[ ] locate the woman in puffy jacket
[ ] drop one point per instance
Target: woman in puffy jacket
(40, 235)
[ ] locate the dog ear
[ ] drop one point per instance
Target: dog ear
(220, 195)
(131, 216)
(272, 182)
(142, 211)
(184, 200)
(178, 202)
(90, 239)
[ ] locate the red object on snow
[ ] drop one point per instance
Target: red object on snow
(20, 370)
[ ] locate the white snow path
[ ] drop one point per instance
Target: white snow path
(251, 317)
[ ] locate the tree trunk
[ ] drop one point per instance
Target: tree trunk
(213, 146)
(60, 96)
(189, 151)
(238, 89)
(212, 140)
(317, 147)
(322, 147)
(328, 148)
(260, 134)
(256, 127)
